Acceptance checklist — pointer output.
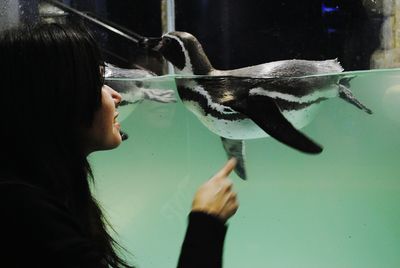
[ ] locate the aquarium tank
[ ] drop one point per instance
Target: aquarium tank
(338, 208)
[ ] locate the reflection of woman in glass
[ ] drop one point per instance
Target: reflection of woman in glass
(56, 111)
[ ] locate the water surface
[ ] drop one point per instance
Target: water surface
(340, 208)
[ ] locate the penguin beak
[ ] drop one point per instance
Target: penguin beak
(150, 43)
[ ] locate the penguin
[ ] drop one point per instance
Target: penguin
(127, 83)
(271, 99)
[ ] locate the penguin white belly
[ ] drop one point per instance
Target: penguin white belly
(303, 117)
(239, 129)
(246, 129)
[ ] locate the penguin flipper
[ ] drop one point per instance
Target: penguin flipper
(264, 111)
(235, 148)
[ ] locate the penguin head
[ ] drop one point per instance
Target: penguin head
(185, 52)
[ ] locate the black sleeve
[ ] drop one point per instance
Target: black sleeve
(38, 231)
(204, 241)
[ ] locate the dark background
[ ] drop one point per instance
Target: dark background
(246, 32)
(240, 33)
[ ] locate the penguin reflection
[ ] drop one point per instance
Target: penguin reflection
(128, 83)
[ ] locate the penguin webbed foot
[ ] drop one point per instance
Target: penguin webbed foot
(235, 148)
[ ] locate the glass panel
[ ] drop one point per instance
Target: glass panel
(336, 209)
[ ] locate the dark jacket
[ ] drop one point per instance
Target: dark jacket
(38, 231)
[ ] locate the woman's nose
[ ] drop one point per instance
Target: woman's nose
(116, 97)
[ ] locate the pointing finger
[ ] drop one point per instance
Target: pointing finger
(227, 169)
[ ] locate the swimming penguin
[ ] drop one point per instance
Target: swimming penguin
(270, 99)
(133, 92)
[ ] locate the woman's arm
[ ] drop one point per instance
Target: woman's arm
(204, 241)
(214, 203)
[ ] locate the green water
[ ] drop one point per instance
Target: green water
(337, 209)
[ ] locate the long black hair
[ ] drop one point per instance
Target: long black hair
(50, 84)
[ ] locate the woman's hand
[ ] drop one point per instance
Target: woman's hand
(216, 196)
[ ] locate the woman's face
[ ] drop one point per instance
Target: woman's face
(104, 133)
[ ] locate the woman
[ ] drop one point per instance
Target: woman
(56, 111)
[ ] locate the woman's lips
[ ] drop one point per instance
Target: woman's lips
(117, 125)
